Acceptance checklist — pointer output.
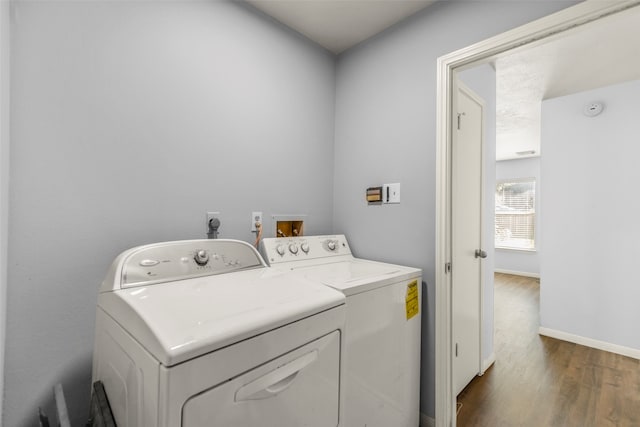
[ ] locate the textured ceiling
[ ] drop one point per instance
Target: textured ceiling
(595, 55)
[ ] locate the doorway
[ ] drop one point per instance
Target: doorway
(529, 35)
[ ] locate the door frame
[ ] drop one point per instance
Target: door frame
(528, 35)
(5, 106)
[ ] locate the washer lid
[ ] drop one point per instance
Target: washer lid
(177, 321)
(357, 275)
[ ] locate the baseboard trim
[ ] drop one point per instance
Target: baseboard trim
(427, 421)
(517, 273)
(589, 342)
(486, 364)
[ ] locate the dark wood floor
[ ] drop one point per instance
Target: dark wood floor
(539, 381)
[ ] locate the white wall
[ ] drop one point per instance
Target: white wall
(510, 260)
(590, 251)
(482, 80)
(5, 69)
(385, 132)
(129, 121)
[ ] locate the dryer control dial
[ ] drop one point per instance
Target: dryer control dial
(331, 245)
(280, 250)
(305, 247)
(293, 248)
(201, 257)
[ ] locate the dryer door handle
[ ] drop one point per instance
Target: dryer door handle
(276, 381)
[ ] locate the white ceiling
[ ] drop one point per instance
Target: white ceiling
(338, 25)
(599, 54)
(595, 55)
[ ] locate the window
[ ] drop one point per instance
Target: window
(516, 214)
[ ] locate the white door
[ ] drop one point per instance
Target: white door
(466, 202)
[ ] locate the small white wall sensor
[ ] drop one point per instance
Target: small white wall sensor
(592, 109)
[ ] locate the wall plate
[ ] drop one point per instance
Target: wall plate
(255, 218)
(391, 193)
(210, 216)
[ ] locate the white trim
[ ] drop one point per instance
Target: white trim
(506, 248)
(5, 115)
(427, 421)
(479, 53)
(486, 364)
(517, 273)
(445, 398)
(590, 342)
(481, 271)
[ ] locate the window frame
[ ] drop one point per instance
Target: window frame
(497, 243)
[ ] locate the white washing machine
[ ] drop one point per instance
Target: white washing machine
(382, 367)
(202, 333)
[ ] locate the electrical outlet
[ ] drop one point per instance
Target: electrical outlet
(255, 217)
(210, 216)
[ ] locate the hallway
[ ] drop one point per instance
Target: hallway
(540, 381)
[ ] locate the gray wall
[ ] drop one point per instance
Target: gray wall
(385, 132)
(482, 80)
(130, 121)
(510, 260)
(590, 175)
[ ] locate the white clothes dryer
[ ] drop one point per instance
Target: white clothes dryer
(202, 333)
(382, 365)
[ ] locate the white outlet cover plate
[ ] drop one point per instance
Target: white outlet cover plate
(255, 217)
(211, 215)
(391, 193)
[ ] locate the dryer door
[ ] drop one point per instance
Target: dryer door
(300, 388)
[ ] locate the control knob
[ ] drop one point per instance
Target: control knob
(280, 250)
(201, 257)
(331, 244)
(293, 248)
(305, 247)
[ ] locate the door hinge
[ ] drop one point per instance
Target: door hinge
(459, 119)
(447, 268)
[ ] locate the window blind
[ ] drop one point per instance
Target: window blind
(515, 214)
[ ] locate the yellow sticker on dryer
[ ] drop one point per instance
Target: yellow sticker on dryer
(412, 304)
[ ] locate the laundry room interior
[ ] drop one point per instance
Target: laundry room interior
(125, 123)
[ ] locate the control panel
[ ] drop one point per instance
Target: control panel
(170, 261)
(287, 249)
